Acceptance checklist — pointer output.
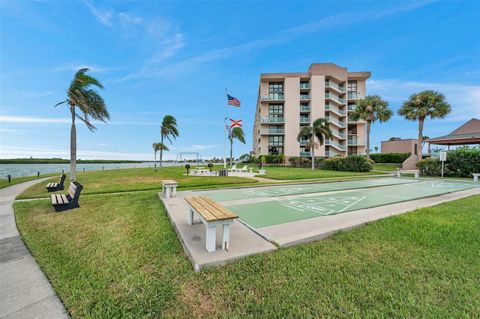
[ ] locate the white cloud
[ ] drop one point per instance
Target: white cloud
(30, 120)
(74, 67)
(462, 97)
(202, 147)
(103, 16)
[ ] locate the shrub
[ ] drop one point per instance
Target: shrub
(389, 157)
(352, 163)
(293, 161)
(319, 161)
(429, 167)
(460, 163)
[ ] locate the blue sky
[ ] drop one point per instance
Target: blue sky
(177, 58)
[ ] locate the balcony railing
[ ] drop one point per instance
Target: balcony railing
(268, 119)
(332, 143)
(352, 107)
(304, 85)
(334, 98)
(334, 109)
(273, 97)
(272, 131)
(355, 142)
(303, 142)
(305, 120)
(305, 154)
(333, 85)
(353, 95)
(273, 144)
(304, 108)
(338, 134)
(338, 123)
(304, 96)
(331, 153)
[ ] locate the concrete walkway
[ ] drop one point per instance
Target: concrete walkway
(25, 291)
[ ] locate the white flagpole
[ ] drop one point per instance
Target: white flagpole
(225, 132)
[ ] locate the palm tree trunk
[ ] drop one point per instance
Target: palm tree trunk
(73, 146)
(313, 157)
(420, 138)
(368, 139)
(161, 151)
(155, 160)
(231, 152)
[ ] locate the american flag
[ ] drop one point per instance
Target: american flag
(233, 100)
(235, 123)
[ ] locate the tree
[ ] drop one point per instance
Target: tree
(235, 133)
(155, 150)
(424, 141)
(421, 105)
(376, 149)
(371, 109)
(82, 95)
(319, 129)
(168, 130)
(158, 147)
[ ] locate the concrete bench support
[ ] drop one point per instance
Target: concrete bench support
(475, 176)
(169, 188)
(401, 171)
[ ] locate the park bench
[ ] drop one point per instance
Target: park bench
(169, 188)
(475, 176)
(51, 187)
(61, 202)
(416, 172)
(212, 215)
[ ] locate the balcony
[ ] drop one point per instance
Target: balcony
(304, 108)
(353, 95)
(304, 120)
(303, 142)
(338, 134)
(338, 123)
(272, 131)
(305, 154)
(331, 153)
(304, 96)
(352, 120)
(272, 120)
(352, 107)
(355, 142)
(304, 86)
(335, 86)
(336, 145)
(335, 98)
(273, 97)
(334, 109)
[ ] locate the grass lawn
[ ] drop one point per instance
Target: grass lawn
(118, 257)
(135, 179)
(21, 179)
(286, 173)
(386, 166)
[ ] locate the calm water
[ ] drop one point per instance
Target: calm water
(17, 170)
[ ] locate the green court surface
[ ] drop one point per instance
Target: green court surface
(280, 210)
(272, 191)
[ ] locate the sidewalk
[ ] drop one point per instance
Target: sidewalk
(25, 291)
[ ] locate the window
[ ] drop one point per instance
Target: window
(275, 109)
(275, 140)
(275, 87)
(352, 86)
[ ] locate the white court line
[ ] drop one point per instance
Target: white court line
(352, 204)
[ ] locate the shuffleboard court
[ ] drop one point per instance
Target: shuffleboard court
(280, 210)
(274, 191)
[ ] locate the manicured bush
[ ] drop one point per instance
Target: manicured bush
(293, 161)
(352, 163)
(319, 161)
(389, 157)
(460, 163)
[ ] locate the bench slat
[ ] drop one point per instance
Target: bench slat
(209, 209)
(200, 209)
(212, 208)
(54, 199)
(228, 213)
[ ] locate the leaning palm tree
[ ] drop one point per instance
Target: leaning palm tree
(421, 105)
(91, 105)
(235, 133)
(168, 130)
(319, 129)
(156, 148)
(371, 109)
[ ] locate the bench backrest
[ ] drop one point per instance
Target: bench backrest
(209, 209)
(62, 179)
(74, 190)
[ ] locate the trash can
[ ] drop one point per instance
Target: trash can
(223, 172)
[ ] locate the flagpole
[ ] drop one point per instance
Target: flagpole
(225, 132)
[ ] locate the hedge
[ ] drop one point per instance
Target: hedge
(351, 163)
(460, 163)
(300, 161)
(389, 157)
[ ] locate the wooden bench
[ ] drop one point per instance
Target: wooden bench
(211, 214)
(169, 188)
(51, 187)
(475, 176)
(61, 202)
(407, 171)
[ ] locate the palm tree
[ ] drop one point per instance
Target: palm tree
(158, 147)
(168, 130)
(91, 105)
(421, 105)
(371, 109)
(319, 129)
(238, 134)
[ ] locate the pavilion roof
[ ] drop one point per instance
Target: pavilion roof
(468, 133)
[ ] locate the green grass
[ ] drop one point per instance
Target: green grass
(289, 173)
(386, 166)
(118, 257)
(21, 179)
(136, 179)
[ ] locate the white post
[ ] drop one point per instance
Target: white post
(190, 216)
(174, 191)
(210, 238)
(225, 132)
(167, 191)
(226, 237)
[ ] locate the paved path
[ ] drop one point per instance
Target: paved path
(25, 291)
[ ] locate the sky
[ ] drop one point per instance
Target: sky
(157, 58)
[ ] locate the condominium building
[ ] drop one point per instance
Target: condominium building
(287, 101)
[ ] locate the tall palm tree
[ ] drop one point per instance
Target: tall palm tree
(81, 94)
(156, 148)
(371, 109)
(421, 105)
(319, 129)
(235, 133)
(168, 130)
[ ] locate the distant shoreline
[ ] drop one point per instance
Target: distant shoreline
(63, 161)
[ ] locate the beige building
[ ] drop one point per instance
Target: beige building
(400, 146)
(286, 101)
